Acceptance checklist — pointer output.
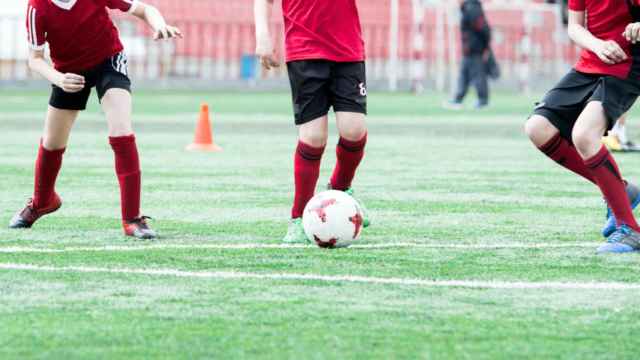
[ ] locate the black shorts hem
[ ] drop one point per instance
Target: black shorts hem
(70, 107)
(301, 120)
(124, 85)
(556, 120)
(350, 108)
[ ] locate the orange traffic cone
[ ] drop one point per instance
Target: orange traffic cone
(203, 140)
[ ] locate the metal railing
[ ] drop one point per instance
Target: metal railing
(408, 43)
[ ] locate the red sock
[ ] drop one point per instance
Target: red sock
(48, 166)
(306, 172)
(563, 153)
(349, 154)
(128, 171)
(605, 170)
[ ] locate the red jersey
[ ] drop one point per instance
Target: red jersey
(606, 20)
(322, 29)
(80, 33)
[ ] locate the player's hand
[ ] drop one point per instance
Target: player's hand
(264, 50)
(168, 32)
(71, 83)
(610, 52)
(632, 33)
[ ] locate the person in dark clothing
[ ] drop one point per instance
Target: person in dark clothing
(476, 50)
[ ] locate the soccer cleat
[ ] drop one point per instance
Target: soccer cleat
(612, 142)
(366, 222)
(139, 228)
(623, 240)
(295, 233)
(633, 192)
(29, 215)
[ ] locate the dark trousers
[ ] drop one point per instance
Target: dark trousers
(473, 71)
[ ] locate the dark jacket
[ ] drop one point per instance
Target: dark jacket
(475, 30)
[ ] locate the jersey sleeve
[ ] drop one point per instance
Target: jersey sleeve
(128, 6)
(577, 5)
(36, 32)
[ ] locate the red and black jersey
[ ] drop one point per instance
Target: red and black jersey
(80, 33)
(607, 20)
(322, 30)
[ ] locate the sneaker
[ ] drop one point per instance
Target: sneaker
(29, 215)
(139, 228)
(453, 105)
(633, 192)
(480, 106)
(366, 221)
(623, 240)
(295, 233)
(630, 146)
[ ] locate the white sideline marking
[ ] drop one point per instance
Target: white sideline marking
(119, 248)
(332, 279)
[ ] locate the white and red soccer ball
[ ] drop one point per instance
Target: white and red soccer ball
(333, 219)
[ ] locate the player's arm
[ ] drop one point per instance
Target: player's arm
(37, 38)
(264, 45)
(152, 16)
(608, 51)
(69, 82)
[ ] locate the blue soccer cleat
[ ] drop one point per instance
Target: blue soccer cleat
(633, 192)
(623, 240)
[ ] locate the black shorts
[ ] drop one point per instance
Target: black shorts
(318, 85)
(111, 74)
(566, 101)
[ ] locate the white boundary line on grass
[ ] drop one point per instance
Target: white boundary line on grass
(123, 248)
(229, 275)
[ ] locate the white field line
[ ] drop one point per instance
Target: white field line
(229, 275)
(120, 248)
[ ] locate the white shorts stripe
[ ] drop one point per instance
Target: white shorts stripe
(134, 5)
(32, 27)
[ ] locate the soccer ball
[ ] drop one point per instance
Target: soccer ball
(333, 219)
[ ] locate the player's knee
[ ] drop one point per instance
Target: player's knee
(539, 129)
(315, 139)
(53, 143)
(354, 133)
(120, 128)
(584, 141)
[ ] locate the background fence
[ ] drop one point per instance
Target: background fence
(409, 43)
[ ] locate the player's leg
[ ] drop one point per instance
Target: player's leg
(548, 139)
(350, 149)
(553, 119)
(349, 95)
(617, 138)
(309, 87)
(462, 87)
(620, 130)
(481, 82)
(312, 140)
(613, 139)
(115, 97)
(57, 128)
(62, 112)
(587, 134)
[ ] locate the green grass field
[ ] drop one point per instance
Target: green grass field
(480, 247)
